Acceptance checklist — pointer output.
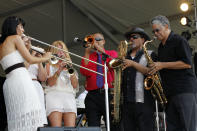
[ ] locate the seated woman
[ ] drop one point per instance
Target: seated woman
(61, 90)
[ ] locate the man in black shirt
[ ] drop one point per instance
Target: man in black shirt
(138, 105)
(178, 79)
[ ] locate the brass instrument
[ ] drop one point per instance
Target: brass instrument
(66, 60)
(116, 64)
(89, 41)
(153, 82)
(55, 59)
(122, 50)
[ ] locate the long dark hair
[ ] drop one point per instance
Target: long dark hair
(9, 27)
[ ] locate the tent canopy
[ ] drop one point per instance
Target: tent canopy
(51, 20)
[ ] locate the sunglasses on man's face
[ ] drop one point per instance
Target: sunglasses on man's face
(134, 36)
(155, 30)
(98, 39)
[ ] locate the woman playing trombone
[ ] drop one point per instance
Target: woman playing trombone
(61, 89)
(24, 111)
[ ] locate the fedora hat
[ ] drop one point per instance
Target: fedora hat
(137, 30)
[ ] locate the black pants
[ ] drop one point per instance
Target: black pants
(138, 116)
(95, 108)
(3, 117)
(181, 113)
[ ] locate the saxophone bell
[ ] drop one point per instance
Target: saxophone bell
(115, 63)
(118, 62)
(148, 82)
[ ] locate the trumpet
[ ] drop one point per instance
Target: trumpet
(65, 60)
(89, 41)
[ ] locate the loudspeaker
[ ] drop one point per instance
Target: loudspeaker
(89, 129)
(69, 129)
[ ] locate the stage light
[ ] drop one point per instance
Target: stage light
(185, 21)
(184, 6)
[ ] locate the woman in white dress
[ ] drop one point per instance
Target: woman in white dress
(61, 90)
(24, 111)
(38, 74)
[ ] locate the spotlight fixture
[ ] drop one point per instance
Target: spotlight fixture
(184, 6)
(185, 21)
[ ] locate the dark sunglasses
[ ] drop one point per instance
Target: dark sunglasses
(155, 30)
(98, 39)
(134, 36)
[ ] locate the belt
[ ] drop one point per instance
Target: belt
(13, 67)
(100, 90)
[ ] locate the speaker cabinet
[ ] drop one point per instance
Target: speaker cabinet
(89, 129)
(69, 129)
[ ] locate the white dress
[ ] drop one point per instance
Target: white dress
(24, 111)
(33, 71)
(61, 96)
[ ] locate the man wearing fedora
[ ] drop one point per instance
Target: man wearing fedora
(138, 104)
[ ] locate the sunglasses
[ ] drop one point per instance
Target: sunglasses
(98, 39)
(134, 36)
(155, 30)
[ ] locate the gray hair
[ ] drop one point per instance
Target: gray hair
(160, 19)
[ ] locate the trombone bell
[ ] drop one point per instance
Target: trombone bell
(54, 60)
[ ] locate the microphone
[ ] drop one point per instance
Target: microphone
(77, 40)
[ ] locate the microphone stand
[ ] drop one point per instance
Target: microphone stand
(104, 57)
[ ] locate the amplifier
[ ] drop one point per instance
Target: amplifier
(69, 129)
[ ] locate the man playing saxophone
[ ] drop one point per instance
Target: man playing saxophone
(138, 104)
(178, 79)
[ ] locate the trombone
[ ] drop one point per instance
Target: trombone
(65, 60)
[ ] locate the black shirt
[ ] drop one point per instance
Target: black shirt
(176, 81)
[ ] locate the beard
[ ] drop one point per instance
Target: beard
(133, 46)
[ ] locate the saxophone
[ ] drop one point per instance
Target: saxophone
(116, 64)
(153, 82)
